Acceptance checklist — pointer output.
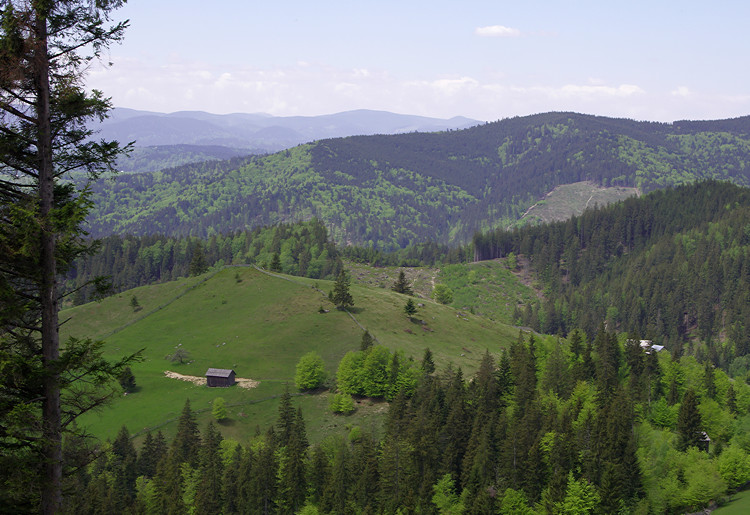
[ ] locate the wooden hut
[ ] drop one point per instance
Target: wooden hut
(219, 377)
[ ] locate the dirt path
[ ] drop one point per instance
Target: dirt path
(201, 381)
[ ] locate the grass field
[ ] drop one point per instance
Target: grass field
(738, 505)
(260, 325)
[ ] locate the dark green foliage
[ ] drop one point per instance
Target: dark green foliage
(453, 443)
(689, 424)
(46, 49)
(367, 341)
(340, 294)
(198, 264)
(127, 380)
(153, 451)
(211, 469)
(187, 441)
(410, 309)
(275, 265)
(428, 365)
(671, 263)
(402, 285)
(130, 261)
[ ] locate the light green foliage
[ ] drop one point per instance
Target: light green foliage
(442, 294)
(349, 373)
(375, 372)
(146, 494)
(190, 479)
(662, 414)
(581, 497)
(219, 409)
(310, 373)
(341, 403)
(703, 482)
(511, 261)
(488, 288)
(515, 502)
(717, 422)
(371, 373)
(734, 466)
(445, 497)
(308, 509)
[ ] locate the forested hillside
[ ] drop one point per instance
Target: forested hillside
(302, 249)
(672, 266)
(392, 191)
(598, 425)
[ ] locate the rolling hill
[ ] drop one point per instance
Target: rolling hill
(260, 325)
(389, 191)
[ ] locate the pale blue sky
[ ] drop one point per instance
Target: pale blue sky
(648, 60)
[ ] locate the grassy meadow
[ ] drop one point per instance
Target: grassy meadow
(260, 325)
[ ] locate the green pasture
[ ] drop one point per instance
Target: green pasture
(739, 504)
(260, 325)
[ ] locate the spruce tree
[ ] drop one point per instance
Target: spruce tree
(187, 441)
(198, 264)
(410, 309)
(208, 493)
(46, 49)
(292, 473)
(367, 341)
(428, 364)
(402, 285)
(689, 424)
(340, 294)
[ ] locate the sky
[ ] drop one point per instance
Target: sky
(657, 60)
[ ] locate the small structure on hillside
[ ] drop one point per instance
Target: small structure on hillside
(648, 346)
(219, 377)
(703, 441)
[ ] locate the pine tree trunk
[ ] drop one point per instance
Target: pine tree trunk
(51, 413)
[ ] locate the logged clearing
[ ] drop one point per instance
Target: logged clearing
(201, 381)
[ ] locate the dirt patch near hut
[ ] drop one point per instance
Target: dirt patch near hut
(201, 381)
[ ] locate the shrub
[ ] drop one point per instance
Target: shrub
(342, 403)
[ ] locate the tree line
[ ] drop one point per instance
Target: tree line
(302, 249)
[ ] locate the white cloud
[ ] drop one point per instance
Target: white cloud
(312, 88)
(497, 31)
(624, 90)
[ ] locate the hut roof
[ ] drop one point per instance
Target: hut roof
(219, 372)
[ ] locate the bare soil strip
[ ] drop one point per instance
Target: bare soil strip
(201, 381)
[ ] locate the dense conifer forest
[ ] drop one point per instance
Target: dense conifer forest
(579, 425)
(672, 266)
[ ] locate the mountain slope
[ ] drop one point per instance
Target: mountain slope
(390, 191)
(259, 325)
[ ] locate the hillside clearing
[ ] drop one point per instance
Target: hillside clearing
(201, 381)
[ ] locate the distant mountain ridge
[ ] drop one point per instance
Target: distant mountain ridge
(389, 191)
(260, 132)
